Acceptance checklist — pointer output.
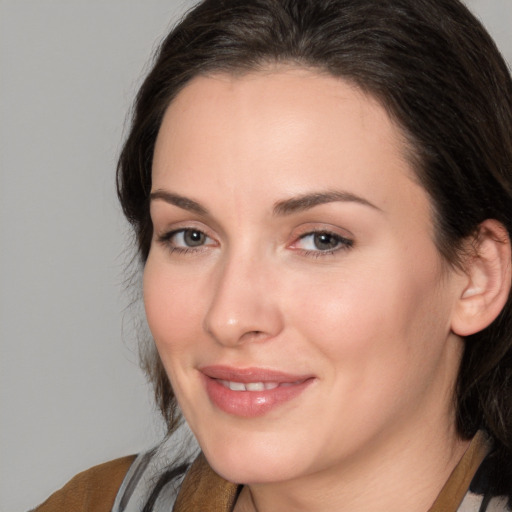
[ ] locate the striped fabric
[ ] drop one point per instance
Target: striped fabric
(150, 484)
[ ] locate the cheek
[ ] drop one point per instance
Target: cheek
(342, 312)
(173, 304)
(377, 325)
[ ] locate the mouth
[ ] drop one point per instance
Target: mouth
(255, 386)
(251, 392)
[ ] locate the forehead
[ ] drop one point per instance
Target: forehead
(280, 131)
(278, 97)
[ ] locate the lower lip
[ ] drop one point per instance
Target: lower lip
(250, 404)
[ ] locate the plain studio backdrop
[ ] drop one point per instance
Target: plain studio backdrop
(71, 393)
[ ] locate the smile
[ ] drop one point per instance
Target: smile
(251, 392)
(254, 386)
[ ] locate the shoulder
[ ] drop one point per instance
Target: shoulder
(93, 490)
(492, 483)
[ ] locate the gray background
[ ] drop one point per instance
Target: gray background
(71, 394)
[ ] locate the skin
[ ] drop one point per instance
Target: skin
(371, 320)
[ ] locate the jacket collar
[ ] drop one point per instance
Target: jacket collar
(204, 490)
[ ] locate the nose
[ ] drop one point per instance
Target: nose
(245, 303)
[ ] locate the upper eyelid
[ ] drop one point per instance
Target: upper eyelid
(326, 232)
(163, 222)
(173, 227)
(167, 234)
(322, 227)
(340, 237)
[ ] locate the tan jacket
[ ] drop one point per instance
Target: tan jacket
(93, 490)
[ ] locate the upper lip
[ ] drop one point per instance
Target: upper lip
(246, 375)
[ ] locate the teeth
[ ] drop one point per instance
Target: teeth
(249, 386)
(237, 386)
(255, 386)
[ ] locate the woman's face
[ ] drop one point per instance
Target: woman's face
(293, 289)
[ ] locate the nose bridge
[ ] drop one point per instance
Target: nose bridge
(242, 307)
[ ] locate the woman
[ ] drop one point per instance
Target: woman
(321, 193)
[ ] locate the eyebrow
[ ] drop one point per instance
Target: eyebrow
(307, 201)
(180, 201)
(281, 208)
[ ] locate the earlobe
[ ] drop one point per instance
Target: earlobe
(488, 283)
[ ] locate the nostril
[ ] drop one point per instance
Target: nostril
(254, 335)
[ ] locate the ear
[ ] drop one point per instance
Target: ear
(487, 280)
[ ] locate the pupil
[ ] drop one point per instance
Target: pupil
(194, 238)
(325, 241)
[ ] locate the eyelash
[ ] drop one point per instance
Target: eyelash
(343, 243)
(167, 240)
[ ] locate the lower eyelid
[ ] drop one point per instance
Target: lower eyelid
(184, 250)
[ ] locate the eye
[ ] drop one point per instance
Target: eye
(190, 238)
(322, 242)
(186, 239)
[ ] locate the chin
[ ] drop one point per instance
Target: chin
(254, 461)
(260, 472)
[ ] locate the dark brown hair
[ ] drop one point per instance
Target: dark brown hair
(439, 75)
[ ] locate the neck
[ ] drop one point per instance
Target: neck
(401, 476)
